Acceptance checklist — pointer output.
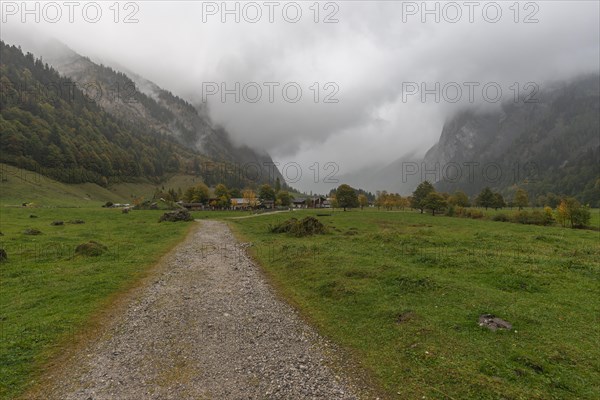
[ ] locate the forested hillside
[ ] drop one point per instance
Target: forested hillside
(48, 125)
(548, 146)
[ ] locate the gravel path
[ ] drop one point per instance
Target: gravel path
(205, 326)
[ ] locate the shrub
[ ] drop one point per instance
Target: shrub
(580, 217)
(548, 215)
(305, 227)
(475, 214)
(531, 218)
(450, 211)
(500, 217)
(90, 249)
(174, 216)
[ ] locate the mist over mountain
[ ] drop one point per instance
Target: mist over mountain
(155, 118)
(373, 53)
(549, 144)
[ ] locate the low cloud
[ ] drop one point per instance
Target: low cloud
(365, 62)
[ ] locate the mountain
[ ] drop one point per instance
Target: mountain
(136, 99)
(550, 146)
(137, 102)
(48, 126)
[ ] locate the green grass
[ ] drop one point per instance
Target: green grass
(18, 186)
(594, 214)
(48, 293)
(441, 273)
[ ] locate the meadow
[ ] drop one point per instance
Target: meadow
(403, 292)
(49, 295)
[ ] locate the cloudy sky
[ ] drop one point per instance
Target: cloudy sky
(360, 66)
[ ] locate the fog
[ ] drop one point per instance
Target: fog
(371, 58)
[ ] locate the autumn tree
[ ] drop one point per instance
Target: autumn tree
(221, 190)
(197, 194)
(521, 199)
(380, 199)
(250, 198)
(434, 202)
(459, 199)
(570, 211)
(419, 195)
(362, 201)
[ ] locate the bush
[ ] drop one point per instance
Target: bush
(548, 215)
(305, 227)
(174, 216)
(581, 217)
(475, 214)
(500, 217)
(90, 249)
(531, 218)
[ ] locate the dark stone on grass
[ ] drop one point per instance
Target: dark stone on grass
(57, 223)
(91, 249)
(493, 323)
(32, 216)
(175, 216)
(77, 222)
(32, 231)
(3, 256)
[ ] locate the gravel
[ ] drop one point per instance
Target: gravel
(205, 326)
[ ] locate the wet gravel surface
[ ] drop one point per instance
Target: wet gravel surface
(205, 326)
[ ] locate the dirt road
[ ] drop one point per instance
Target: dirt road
(205, 326)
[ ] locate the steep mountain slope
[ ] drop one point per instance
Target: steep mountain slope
(48, 126)
(137, 100)
(549, 146)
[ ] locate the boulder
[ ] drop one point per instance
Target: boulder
(493, 323)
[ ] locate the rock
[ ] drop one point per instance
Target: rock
(77, 221)
(57, 223)
(174, 216)
(154, 206)
(493, 323)
(32, 216)
(32, 231)
(3, 256)
(91, 249)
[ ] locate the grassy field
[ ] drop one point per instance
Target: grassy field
(19, 186)
(48, 293)
(403, 292)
